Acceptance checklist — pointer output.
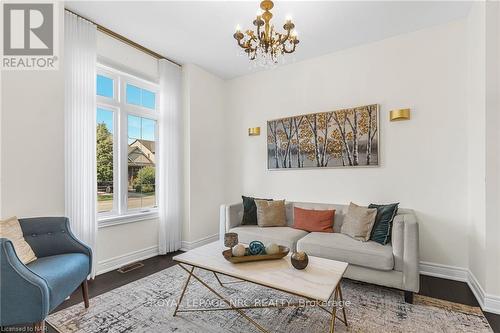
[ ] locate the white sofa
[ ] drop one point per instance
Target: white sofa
(393, 265)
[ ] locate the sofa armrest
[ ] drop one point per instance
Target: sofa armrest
(50, 236)
(24, 296)
(405, 242)
(230, 217)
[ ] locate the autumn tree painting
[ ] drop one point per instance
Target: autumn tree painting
(342, 138)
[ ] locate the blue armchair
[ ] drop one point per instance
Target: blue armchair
(28, 293)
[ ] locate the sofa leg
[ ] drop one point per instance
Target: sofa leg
(85, 292)
(39, 327)
(409, 297)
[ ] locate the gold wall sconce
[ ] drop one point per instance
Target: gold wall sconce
(254, 131)
(399, 114)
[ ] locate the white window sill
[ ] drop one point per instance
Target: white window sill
(108, 221)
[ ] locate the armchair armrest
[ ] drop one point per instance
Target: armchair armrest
(50, 236)
(24, 296)
(230, 217)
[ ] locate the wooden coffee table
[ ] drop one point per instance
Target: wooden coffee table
(317, 283)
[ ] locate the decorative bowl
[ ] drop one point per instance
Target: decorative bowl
(283, 252)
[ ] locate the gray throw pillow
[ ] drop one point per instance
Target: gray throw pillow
(271, 213)
(358, 222)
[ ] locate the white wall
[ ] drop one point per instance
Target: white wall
(205, 167)
(423, 161)
(32, 141)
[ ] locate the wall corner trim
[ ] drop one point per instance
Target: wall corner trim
(488, 302)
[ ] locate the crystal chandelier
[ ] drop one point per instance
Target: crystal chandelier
(265, 45)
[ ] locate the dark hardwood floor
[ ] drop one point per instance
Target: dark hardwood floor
(453, 291)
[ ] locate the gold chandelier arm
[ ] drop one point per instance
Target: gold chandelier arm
(284, 38)
(259, 34)
(294, 43)
(248, 43)
(241, 44)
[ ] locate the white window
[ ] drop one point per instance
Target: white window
(127, 137)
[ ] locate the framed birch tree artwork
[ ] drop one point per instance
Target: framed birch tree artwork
(334, 139)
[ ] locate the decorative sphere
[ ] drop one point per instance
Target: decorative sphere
(272, 248)
(239, 250)
(299, 260)
(256, 247)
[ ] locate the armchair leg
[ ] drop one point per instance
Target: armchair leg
(85, 292)
(39, 327)
(409, 297)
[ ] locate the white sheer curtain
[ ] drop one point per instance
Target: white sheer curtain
(170, 157)
(80, 128)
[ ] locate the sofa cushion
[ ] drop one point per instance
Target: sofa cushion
(358, 222)
(271, 213)
(63, 274)
(381, 232)
(313, 220)
(344, 248)
(249, 210)
(285, 236)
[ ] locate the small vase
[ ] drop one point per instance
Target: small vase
(299, 260)
(230, 239)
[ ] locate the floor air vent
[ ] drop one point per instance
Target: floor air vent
(130, 267)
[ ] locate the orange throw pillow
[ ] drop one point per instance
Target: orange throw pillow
(313, 220)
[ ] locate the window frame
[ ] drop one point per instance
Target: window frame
(108, 106)
(118, 104)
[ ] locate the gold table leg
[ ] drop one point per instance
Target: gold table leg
(343, 305)
(218, 280)
(262, 329)
(183, 290)
(338, 298)
(334, 311)
(227, 282)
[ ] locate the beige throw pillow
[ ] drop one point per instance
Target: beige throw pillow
(271, 213)
(358, 222)
(11, 229)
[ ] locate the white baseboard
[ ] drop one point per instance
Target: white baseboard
(186, 246)
(108, 265)
(111, 264)
(488, 302)
(444, 271)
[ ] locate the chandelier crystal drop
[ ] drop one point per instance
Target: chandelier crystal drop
(265, 46)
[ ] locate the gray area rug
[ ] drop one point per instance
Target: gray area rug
(147, 305)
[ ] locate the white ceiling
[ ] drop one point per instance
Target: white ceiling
(201, 32)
